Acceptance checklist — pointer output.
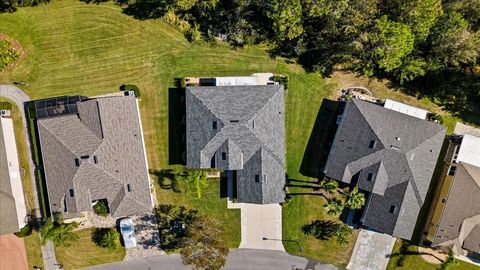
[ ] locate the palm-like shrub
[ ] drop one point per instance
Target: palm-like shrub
(334, 206)
(329, 186)
(343, 233)
(355, 199)
(59, 233)
(101, 208)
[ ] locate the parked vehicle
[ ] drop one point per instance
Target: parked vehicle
(128, 233)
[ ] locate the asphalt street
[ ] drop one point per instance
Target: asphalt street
(238, 259)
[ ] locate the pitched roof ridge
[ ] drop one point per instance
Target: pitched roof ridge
(204, 105)
(368, 123)
(467, 170)
(58, 139)
(264, 105)
(264, 145)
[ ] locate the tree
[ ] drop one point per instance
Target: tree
(286, 17)
(419, 15)
(329, 186)
(354, 199)
(343, 233)
(12, 5)
(320, 229)
(173, 224)
(394, 41)
(205, 246)
(106, 238)
(452, 43)
(195, 179)
(334, 206)
(59, 233)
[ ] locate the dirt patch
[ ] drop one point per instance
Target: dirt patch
(16, 45)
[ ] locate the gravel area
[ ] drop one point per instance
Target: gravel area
(148, 238)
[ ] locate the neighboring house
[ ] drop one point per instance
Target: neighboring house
(93, 150)
(456, 223)
(240, 129)
(13, 211)
(391, 157)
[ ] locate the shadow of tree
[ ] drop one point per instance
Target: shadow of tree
(320, 229)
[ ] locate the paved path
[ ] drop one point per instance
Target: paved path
(372, 251)
(238, 259)
(20, 98)
(261, 225)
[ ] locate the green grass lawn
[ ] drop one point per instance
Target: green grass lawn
(76, 48)
(416, 262)
(33, 250)
(210, 204)
(85, 252)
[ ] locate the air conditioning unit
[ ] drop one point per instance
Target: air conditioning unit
(131, 93)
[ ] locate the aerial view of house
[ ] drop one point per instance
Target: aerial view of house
(389, 155)
(93, 150)
(456, 222)
(13, 211)
(240, 129)
(220, 134)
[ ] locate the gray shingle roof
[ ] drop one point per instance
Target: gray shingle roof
(400, 162)
(249, 130)
(472, 242)
(105, 138)
(462, 209)
(8, 211)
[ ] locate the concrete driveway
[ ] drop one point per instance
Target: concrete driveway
(259, 222)
(372, 251)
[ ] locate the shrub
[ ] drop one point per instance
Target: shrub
(8, 54)
(106, 238)
(5, 106)
(101, 208)
(25, 231)
(130, 87)
(282, 80)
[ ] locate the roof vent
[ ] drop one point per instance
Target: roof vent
(397, 138)
(395, 147)
(234, 121)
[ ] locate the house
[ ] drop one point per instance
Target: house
(13, 210)
(239, 129)
(456, 220)
(391, 157)
(93, 150)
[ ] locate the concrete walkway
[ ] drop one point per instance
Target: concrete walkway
(372, 251)
(20, 98)
(261, 225)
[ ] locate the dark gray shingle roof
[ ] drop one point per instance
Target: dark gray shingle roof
(400, 162)
(249, 130)
(105, 138)
(462, 208)
(472, 242)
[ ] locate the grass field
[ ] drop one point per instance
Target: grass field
(93, 49)
(85, 252)
(414, 261)
(33, 250)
